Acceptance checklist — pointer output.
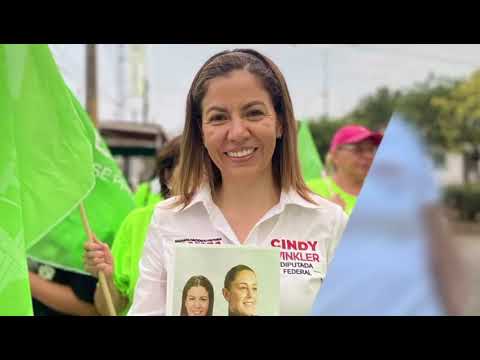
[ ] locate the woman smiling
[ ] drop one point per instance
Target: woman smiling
(239, 181)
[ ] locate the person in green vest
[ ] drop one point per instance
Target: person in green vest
(146, 194)
(122, 262)
(348, 160)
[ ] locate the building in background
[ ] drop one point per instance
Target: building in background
(453, 168)
(135, 147)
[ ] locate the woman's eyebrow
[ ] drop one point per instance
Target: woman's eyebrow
(215, 107)
(252, 103)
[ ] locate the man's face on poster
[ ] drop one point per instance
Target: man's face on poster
(242, 294)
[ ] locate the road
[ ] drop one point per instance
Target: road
(470, 244)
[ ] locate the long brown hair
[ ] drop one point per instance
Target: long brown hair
(195, 164)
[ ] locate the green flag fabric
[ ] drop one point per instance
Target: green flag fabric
(46, 162)
(106, 206)
(310, 162)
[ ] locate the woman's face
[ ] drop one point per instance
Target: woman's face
(239, 126)
(197, 301)
(242, 294)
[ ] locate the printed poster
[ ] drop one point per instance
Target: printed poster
(224, 280)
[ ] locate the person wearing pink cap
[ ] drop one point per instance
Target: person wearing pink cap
(349, 158)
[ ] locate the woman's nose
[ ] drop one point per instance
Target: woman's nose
(238, 131)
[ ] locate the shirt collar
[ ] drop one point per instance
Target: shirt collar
(291, 197)
(202, 195)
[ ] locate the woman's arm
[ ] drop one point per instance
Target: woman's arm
(59, 297)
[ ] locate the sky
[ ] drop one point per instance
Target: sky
(347, 73)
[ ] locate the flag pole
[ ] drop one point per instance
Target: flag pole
(91, 105)
(101, 275)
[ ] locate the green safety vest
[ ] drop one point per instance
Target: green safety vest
(127, 251)
(327, 188)
(144, 196)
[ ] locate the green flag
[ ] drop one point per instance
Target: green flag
(310, 162)
(46, 162)
(107, 205)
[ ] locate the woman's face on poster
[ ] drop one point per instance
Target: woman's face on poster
(197, 301)
(242, 294)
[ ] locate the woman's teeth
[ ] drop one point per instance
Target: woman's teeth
(241, 153)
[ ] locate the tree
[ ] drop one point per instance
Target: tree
(374, 111)
(459, 120)
(416, 104)
(322, 131)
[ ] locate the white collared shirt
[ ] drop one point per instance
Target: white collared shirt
(307, 233)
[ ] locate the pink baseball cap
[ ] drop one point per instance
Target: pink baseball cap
(351, 134)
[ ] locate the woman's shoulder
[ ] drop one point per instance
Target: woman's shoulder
(172, 221)
(168, 206)
(317, 204)
(327, 212)
(325, 205)
(171, 212)
(331, 216)
(165, 208)
(319, 210)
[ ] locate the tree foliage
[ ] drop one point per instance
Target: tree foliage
(322, 131)
(459, 114)
(375, 110)
(416, 104)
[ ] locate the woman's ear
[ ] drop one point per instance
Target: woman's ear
(226, 294)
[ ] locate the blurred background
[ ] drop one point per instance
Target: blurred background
(136, 94)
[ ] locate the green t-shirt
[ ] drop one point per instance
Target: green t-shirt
(127, 250)
(144, 196)
(327, 188)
